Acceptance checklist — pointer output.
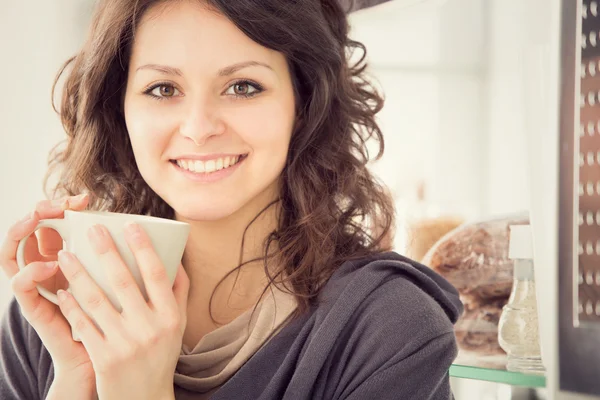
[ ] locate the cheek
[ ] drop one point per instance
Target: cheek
(266, 129)
(149, 132)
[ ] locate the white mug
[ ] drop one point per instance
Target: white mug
(168, 238)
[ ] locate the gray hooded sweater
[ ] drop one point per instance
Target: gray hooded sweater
(382, 329)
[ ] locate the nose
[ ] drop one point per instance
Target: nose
(200, 123)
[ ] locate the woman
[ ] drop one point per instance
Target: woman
(244, 119)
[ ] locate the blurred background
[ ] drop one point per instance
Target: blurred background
(455, 74)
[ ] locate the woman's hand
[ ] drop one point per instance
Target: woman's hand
(135, 352)
(70, 359)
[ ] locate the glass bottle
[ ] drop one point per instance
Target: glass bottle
(518, 328)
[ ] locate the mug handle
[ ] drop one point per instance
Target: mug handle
(59, 225)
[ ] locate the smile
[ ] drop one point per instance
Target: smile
(209, 166)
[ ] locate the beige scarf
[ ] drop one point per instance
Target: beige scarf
(222, 352)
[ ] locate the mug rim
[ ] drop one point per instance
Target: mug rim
(110, 214)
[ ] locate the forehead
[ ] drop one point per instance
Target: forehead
(180, 32)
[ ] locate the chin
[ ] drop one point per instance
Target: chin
(203, 212)
(218, 205)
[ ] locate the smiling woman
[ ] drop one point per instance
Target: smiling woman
(246, 120)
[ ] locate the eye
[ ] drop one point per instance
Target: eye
(244, 89)
(163, 90)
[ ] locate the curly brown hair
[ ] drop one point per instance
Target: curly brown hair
(332, 208)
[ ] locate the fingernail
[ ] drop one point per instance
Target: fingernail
(62, 295)
(60, 203)
(98, 237)
(64, 256)
(51, 264)
(97, 231)
(132, 228)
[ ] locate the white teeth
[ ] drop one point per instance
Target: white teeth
(209, 166)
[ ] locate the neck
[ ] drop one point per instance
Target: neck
(213, 251)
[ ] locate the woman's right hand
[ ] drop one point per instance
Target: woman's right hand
(70, 359)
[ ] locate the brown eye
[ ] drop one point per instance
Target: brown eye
(163, 91)
(241, 89)
(166, 91)
(244, 89)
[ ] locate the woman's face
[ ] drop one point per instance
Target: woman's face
(209, 112)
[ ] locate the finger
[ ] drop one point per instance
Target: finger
(153, 272)
(49, 239)
(55, 208)
(43, 315)
(79, 202)
(8, 251)
(50, 242)
(122, 281)
(24, 285)
(51, 208)
(81, 324)
(92, 298)
(32, 252)
(46, 209)
(181, 289)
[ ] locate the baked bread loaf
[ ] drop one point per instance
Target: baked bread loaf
(423, 234)
(477, 329)
(474, 258)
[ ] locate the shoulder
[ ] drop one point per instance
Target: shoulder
(390, 305)
(401, 305)
(395, 286)
(387, 326)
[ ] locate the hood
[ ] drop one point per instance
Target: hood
(377, 269)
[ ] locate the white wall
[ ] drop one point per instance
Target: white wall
(452, 74)
(34, 42)
(510, 188)
(429, 59)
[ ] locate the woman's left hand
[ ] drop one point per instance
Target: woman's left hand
(135, 354)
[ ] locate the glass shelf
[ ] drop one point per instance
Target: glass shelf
(497, 375)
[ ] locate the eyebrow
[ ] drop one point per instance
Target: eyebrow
(230, 70)
(162, 69)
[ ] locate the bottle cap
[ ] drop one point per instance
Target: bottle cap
(521, 242)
